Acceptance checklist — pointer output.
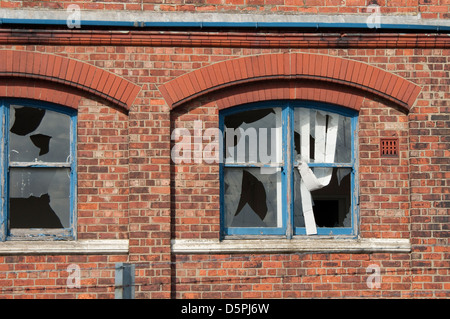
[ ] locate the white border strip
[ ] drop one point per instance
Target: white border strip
(109, 246)
(188, 246)
(255, 246)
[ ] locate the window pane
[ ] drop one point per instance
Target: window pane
(322, 137)
(331, 204)
(39, 198)
(252, 197)
(38, 135)
(253, 136)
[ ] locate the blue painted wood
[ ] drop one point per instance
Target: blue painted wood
(221, 181)
(3, 173)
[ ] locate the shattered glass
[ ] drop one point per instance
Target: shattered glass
(251, 198)
(39, 198)
(252, 194)
(38, 135)
(343, 141)
(251, 136)
(252, 190)
(331, 204)
(39, 176)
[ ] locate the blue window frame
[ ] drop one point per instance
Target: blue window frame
(288, 168)
(38, 156)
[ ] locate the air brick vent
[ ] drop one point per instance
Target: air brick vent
(389, 147)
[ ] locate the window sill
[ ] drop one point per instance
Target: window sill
(303, 245)
(108, 246)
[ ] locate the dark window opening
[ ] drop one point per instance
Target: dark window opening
(32, 212)
(27, 120)
(326, 213)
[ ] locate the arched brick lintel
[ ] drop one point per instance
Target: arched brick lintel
(288, 89)
(334, 72)
(57, 79)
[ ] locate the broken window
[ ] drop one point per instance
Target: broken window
(323, 139)
(251, 136)
(299, 174)
(41, 166)
(252, 172)
(38, 135)
(39, 197)
(252, 198)
(331, 205)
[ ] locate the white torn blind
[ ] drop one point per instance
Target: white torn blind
(324, 129)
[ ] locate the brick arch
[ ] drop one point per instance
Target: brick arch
(61, 79)
(291, 76)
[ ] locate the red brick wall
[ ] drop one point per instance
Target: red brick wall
(46, 277)
(103, 169)
(429, 150)
(128, 188)
(390, 189)
(292, 276)
(384, 181)
(195, 186)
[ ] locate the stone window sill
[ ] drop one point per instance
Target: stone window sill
(109, 246)
(303, 245)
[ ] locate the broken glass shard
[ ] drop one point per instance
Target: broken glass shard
(331, 204)
(41, 216)
(312, 131)
(39, 198)
(252, 199)
(237, 120)
(252, 136)
(42, 142)
(39, 135)
(256, 198)
(27, 120)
